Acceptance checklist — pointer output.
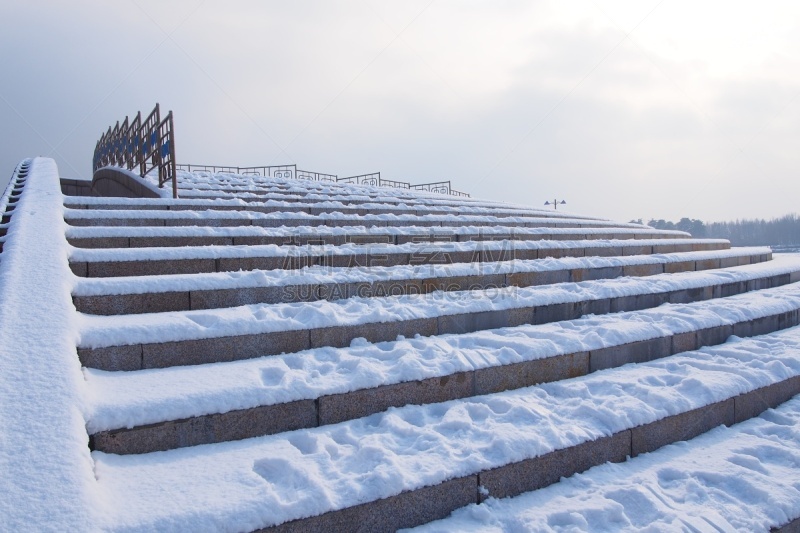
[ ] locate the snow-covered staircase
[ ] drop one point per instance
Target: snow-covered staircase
(302, 356)
(8, 201)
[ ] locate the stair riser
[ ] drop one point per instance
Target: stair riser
(339, 240)
(213, 299)
(201, 351)
(350, 208)
(262, 195)
(315, 221)
(331, 409)
(377, 258)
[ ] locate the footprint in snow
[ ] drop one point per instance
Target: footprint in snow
(272, 376)
(206, 321)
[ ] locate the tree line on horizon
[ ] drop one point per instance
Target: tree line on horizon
(782, 231)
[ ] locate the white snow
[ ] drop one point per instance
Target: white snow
(269, 480)
(50, 481)
(317, 274)
(346, 202)
(89, 202)
(441, 232)
(376, 249)
(411, 217)
(742, 478)
(127, 399)
(163, 192)
(4, 199)
(46, 478)
(199, 182)
(100, 331)
(340, 200)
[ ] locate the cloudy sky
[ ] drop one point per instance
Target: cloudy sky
(626, 109)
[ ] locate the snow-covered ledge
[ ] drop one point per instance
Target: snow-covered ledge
(117, 181)
(46, 472)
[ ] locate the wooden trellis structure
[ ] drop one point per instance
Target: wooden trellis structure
(141, 145)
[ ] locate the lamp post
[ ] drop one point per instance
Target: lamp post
(555, 203)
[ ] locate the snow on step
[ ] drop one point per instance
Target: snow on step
(99, 331)
(105, 203)
(253, 216)
(739, 478)
(46, 479)
(252, 195)
(338, 275)
(270, 480)
(84, 234)
(128, 399)
(509, 248)
(331, 204)
(247, 484)
(189, 182)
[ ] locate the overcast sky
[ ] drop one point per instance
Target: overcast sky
(625, 109)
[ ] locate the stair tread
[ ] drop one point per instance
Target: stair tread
(272, 250)
(319, 274)
(252, 214)
(99, 331)
(245, 201)
(89, 232)
(197, 196)
(730, 479)
(127, 399)
(395, 409)
(269, 480)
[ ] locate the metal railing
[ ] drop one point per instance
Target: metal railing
(441, 187)
(273, 171)
(144, 144)
(315, 176)
(209, 168)
(374, 180)
(395, 184)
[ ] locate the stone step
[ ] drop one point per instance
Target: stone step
(218, 217)
(319, 207)
(340, 191)
(114, 262)
(535, 354)
(196, 337)
(256, 195)
(310, 187)
(149, 237)
(233, 202)
(419, 463)
(433, 502)
(10, 197)
(726, 466)
(109, 296)
(304, 188)
(249, 195)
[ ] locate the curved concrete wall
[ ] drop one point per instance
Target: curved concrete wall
(119, 182)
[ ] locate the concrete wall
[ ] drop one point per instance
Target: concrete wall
(72, 187)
